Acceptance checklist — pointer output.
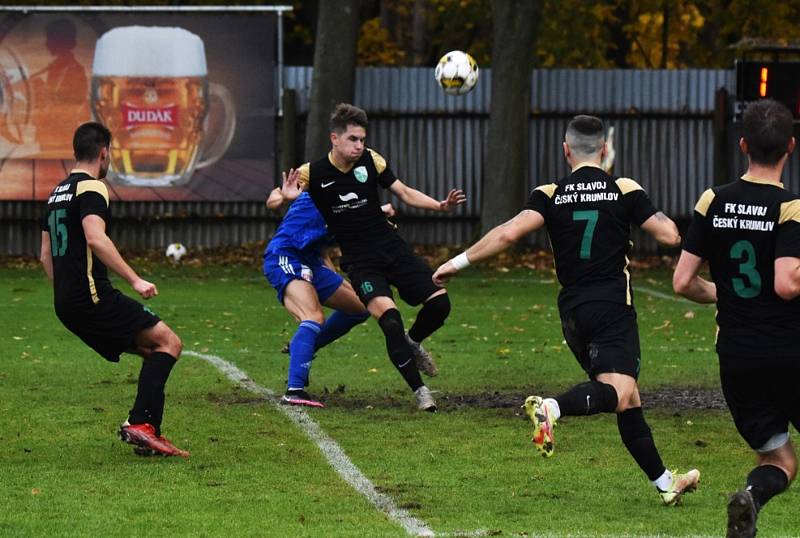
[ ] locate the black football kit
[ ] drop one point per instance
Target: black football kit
(85, 301)
(374, 256)
(588, 216)
(741, 228)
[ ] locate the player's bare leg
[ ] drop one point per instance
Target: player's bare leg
(301, 300)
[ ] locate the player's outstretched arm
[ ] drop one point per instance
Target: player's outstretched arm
(415, 198)
(787, 277)
(288, 191)
(494, 242)
(46, 256)
(662, 229)
(686, 280)
(94, 227)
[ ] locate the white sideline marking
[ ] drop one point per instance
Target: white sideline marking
(329, 448)
(351, 474)
(662, 295)
(636, 289)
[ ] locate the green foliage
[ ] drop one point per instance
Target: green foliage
(597, 34)
(461, 25)
(376, 46)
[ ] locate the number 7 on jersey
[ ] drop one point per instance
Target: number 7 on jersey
(590, 216)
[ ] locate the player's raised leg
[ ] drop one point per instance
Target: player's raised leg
(413, 279)
(430, 318)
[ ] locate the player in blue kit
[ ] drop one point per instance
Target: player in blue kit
(296, 264)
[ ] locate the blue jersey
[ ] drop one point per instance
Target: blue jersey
(303, 230)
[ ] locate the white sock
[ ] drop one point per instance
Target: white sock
(664, 482)
(555, 411)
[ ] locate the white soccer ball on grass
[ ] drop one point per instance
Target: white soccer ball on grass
(456, 72)
(175, 252)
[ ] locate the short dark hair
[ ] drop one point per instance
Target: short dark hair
(767, 131)
(585, 134)
(346, 114)
(90, 138)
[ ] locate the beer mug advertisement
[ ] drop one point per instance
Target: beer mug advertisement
(189, 100)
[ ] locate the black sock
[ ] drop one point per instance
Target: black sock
(588, 398)
(399, 351)
(149, 404)
(430, 317)
(638, 440)
(766, 481)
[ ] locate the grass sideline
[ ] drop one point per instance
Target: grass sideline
(253, 473)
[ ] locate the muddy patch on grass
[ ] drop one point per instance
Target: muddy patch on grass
(673, 398)
(234, 398)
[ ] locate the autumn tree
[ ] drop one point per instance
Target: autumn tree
(505, 174)
(334, 77)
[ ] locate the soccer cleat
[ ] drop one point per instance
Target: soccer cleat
(742, 515)
(300, 397)
(144, 452)
(175, 450)
(681, 483)
(425, 400)
(146, 442)
(422, 358)
(543, 424)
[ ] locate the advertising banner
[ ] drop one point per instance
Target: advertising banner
(189, 99)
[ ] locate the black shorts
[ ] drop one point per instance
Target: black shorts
(109, 327)
(393, 264)
(604, 337)
(762, 395)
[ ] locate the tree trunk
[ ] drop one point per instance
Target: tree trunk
(619, 43)
(664, 34)
(505, 177)
(334, 77)
(419, 34)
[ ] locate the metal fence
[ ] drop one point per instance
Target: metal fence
(663, 121)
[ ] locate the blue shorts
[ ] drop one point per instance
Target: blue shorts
(280, 268)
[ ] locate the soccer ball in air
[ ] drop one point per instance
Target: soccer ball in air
(456, 72)
(175, 252)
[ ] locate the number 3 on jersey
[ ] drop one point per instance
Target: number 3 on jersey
(590, 216)
(58, 232)
(743, 251)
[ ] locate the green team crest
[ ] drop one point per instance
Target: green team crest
(361, 174)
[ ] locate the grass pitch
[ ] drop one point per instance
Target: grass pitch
(252, 472)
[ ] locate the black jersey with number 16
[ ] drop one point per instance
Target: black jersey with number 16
(349, 202)
(588, 216)
(741, 228)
